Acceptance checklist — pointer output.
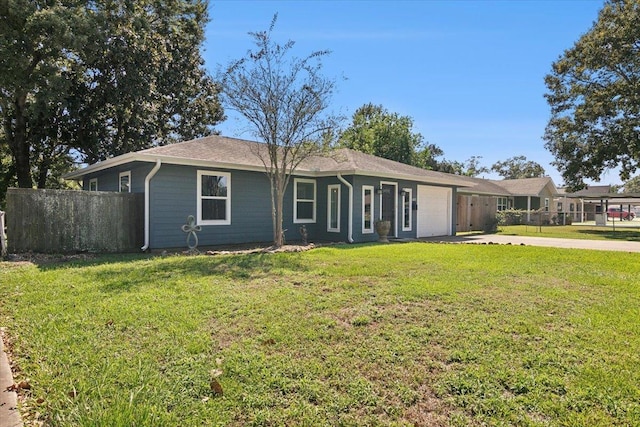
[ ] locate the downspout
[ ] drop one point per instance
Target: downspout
(350, 224)
(147, 182)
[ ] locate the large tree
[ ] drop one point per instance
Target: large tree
(144, 82)
(374, 130)
(286, 101)
(594, 95)
(518, 167)
(86, 81)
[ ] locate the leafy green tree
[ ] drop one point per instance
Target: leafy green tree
(285, 99)
(7, 173)
(632, 185)
(144, 82)
(37, 45)
(450, 166)
(518, 167)
(86, 81)
(473, 167)
(594, 98)
(374, 130)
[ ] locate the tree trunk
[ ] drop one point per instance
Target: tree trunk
(20, 146)
(278, 240)
(273, 209)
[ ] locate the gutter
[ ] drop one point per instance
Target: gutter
(350, 224)
(147, 182)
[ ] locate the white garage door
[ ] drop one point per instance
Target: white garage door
(434, 211)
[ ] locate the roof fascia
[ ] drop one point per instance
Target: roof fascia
(137, 157)
(426, 180)
(105, 164)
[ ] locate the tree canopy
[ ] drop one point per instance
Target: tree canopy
(518, 167)
(632, 185)
(81, 82)
(286, 101)
(594, 95)
(375, 130)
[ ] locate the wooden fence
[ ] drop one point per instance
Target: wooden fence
(476, 213)
(59, 221)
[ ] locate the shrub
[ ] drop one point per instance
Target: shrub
(511, 217)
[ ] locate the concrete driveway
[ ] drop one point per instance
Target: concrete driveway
(601, 245)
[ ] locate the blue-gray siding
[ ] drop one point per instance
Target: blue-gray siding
(173, 197)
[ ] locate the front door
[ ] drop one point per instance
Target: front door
(389, 199)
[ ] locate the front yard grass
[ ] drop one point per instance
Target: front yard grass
(573, 232)
(401, 334)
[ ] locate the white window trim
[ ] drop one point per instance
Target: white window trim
(227, 220)
(394, 232)
(295, 201)
(329, 188)
(95, 180)
(372, 201)
(408, 192)
(504, 205)
(122, 175)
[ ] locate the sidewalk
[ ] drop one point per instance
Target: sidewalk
(9, 415)
(601, 245)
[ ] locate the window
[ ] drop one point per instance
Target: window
(546, 204)
(214, 198)
(93, 184)
(333, 208)
(367, 209)
(304, 204)
(125, 182)
(503, 203)
(406, 209)
(559, 206)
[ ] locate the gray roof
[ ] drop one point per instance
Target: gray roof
(590, 191)
(483, 186)
(527, 186)
(232, 153)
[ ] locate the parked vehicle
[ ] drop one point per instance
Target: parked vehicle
(620, 214)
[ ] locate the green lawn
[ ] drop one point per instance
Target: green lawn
(401, 334)
(573, 232)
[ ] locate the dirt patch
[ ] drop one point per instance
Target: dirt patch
(255, 250)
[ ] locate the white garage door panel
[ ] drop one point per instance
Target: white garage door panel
(434, 211)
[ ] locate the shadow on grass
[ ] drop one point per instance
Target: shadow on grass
(631, 236)
(235, 267)
(123, 272)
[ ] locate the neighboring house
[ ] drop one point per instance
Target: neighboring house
(479, 202)
(529, 194)
(222, 183)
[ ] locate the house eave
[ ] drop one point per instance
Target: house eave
(104, 164)
(137, 157)
(451, 182)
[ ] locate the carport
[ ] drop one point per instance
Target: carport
(625, 201)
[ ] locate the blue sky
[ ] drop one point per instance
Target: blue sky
(469, 73)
